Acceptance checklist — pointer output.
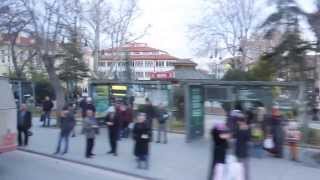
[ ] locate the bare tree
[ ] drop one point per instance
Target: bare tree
(13, 23)
(50, 21)
(228, 22)
(111, 23)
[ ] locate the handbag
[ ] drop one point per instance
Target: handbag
(268, 143)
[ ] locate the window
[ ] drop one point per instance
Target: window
(138, 63)
(109, 63)
(139, 74)
(148, 74)
(160, 64)
(148, 63)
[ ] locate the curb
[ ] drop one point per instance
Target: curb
(89, 165)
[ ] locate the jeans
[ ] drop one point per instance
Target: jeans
(46, 119)
(25, 133)
(162, 131)
(89, 147)
(65, 138)
(257, 150)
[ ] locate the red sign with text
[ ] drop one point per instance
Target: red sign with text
(162, 75)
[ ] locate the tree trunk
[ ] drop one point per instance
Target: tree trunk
(314, 21)
(55, 82)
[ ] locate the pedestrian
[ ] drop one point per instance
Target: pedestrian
(90, 129)
(142, 138)
(150, 113)
(24, 124)
(162, 118)
(126, 116)
(261, 117)
(220, 136)
(90, 105)
(72, 112)
(242, 144)
(293, 137)
(277, 132)
(257, 140)
(83, 107)
(67, 123)
(113, 123)
(47, 106)
(232, 117)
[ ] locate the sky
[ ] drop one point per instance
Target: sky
(169, 20)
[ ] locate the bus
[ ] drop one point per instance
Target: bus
(8, 117)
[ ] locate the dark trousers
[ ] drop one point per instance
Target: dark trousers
(162, 131)
(46, 119)
(113, 137)
(143, 159)
(90, 144)
(65, 138)
(22, 132)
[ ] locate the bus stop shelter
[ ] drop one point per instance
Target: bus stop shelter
(289, 97)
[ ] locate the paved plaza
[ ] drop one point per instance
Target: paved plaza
(173, 161)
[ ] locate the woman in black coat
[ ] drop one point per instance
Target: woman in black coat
(113, 124)
(220, 136)
(142, 137)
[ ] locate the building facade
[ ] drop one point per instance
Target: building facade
(23, 49)
(137, 60)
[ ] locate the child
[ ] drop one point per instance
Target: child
(142, 137)
(293, 138)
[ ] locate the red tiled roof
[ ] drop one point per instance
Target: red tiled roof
(185, 62)
(142, 57)
(131, 49)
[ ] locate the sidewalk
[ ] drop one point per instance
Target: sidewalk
(176, 160)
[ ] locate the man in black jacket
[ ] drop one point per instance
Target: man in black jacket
(150, 113)
(67, 123)
(24, 124)
(113, 123)
(46, 107)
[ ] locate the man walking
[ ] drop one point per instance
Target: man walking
(150, 115)
(24, 124)
(162, 118)
(113, 123)
(46, 107)
(67, 123)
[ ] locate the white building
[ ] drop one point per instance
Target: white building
(143, 61)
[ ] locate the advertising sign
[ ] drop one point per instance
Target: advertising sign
(101, 99)
(195, 115)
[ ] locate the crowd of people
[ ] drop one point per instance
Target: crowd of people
(121, 122)
(252, 133)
